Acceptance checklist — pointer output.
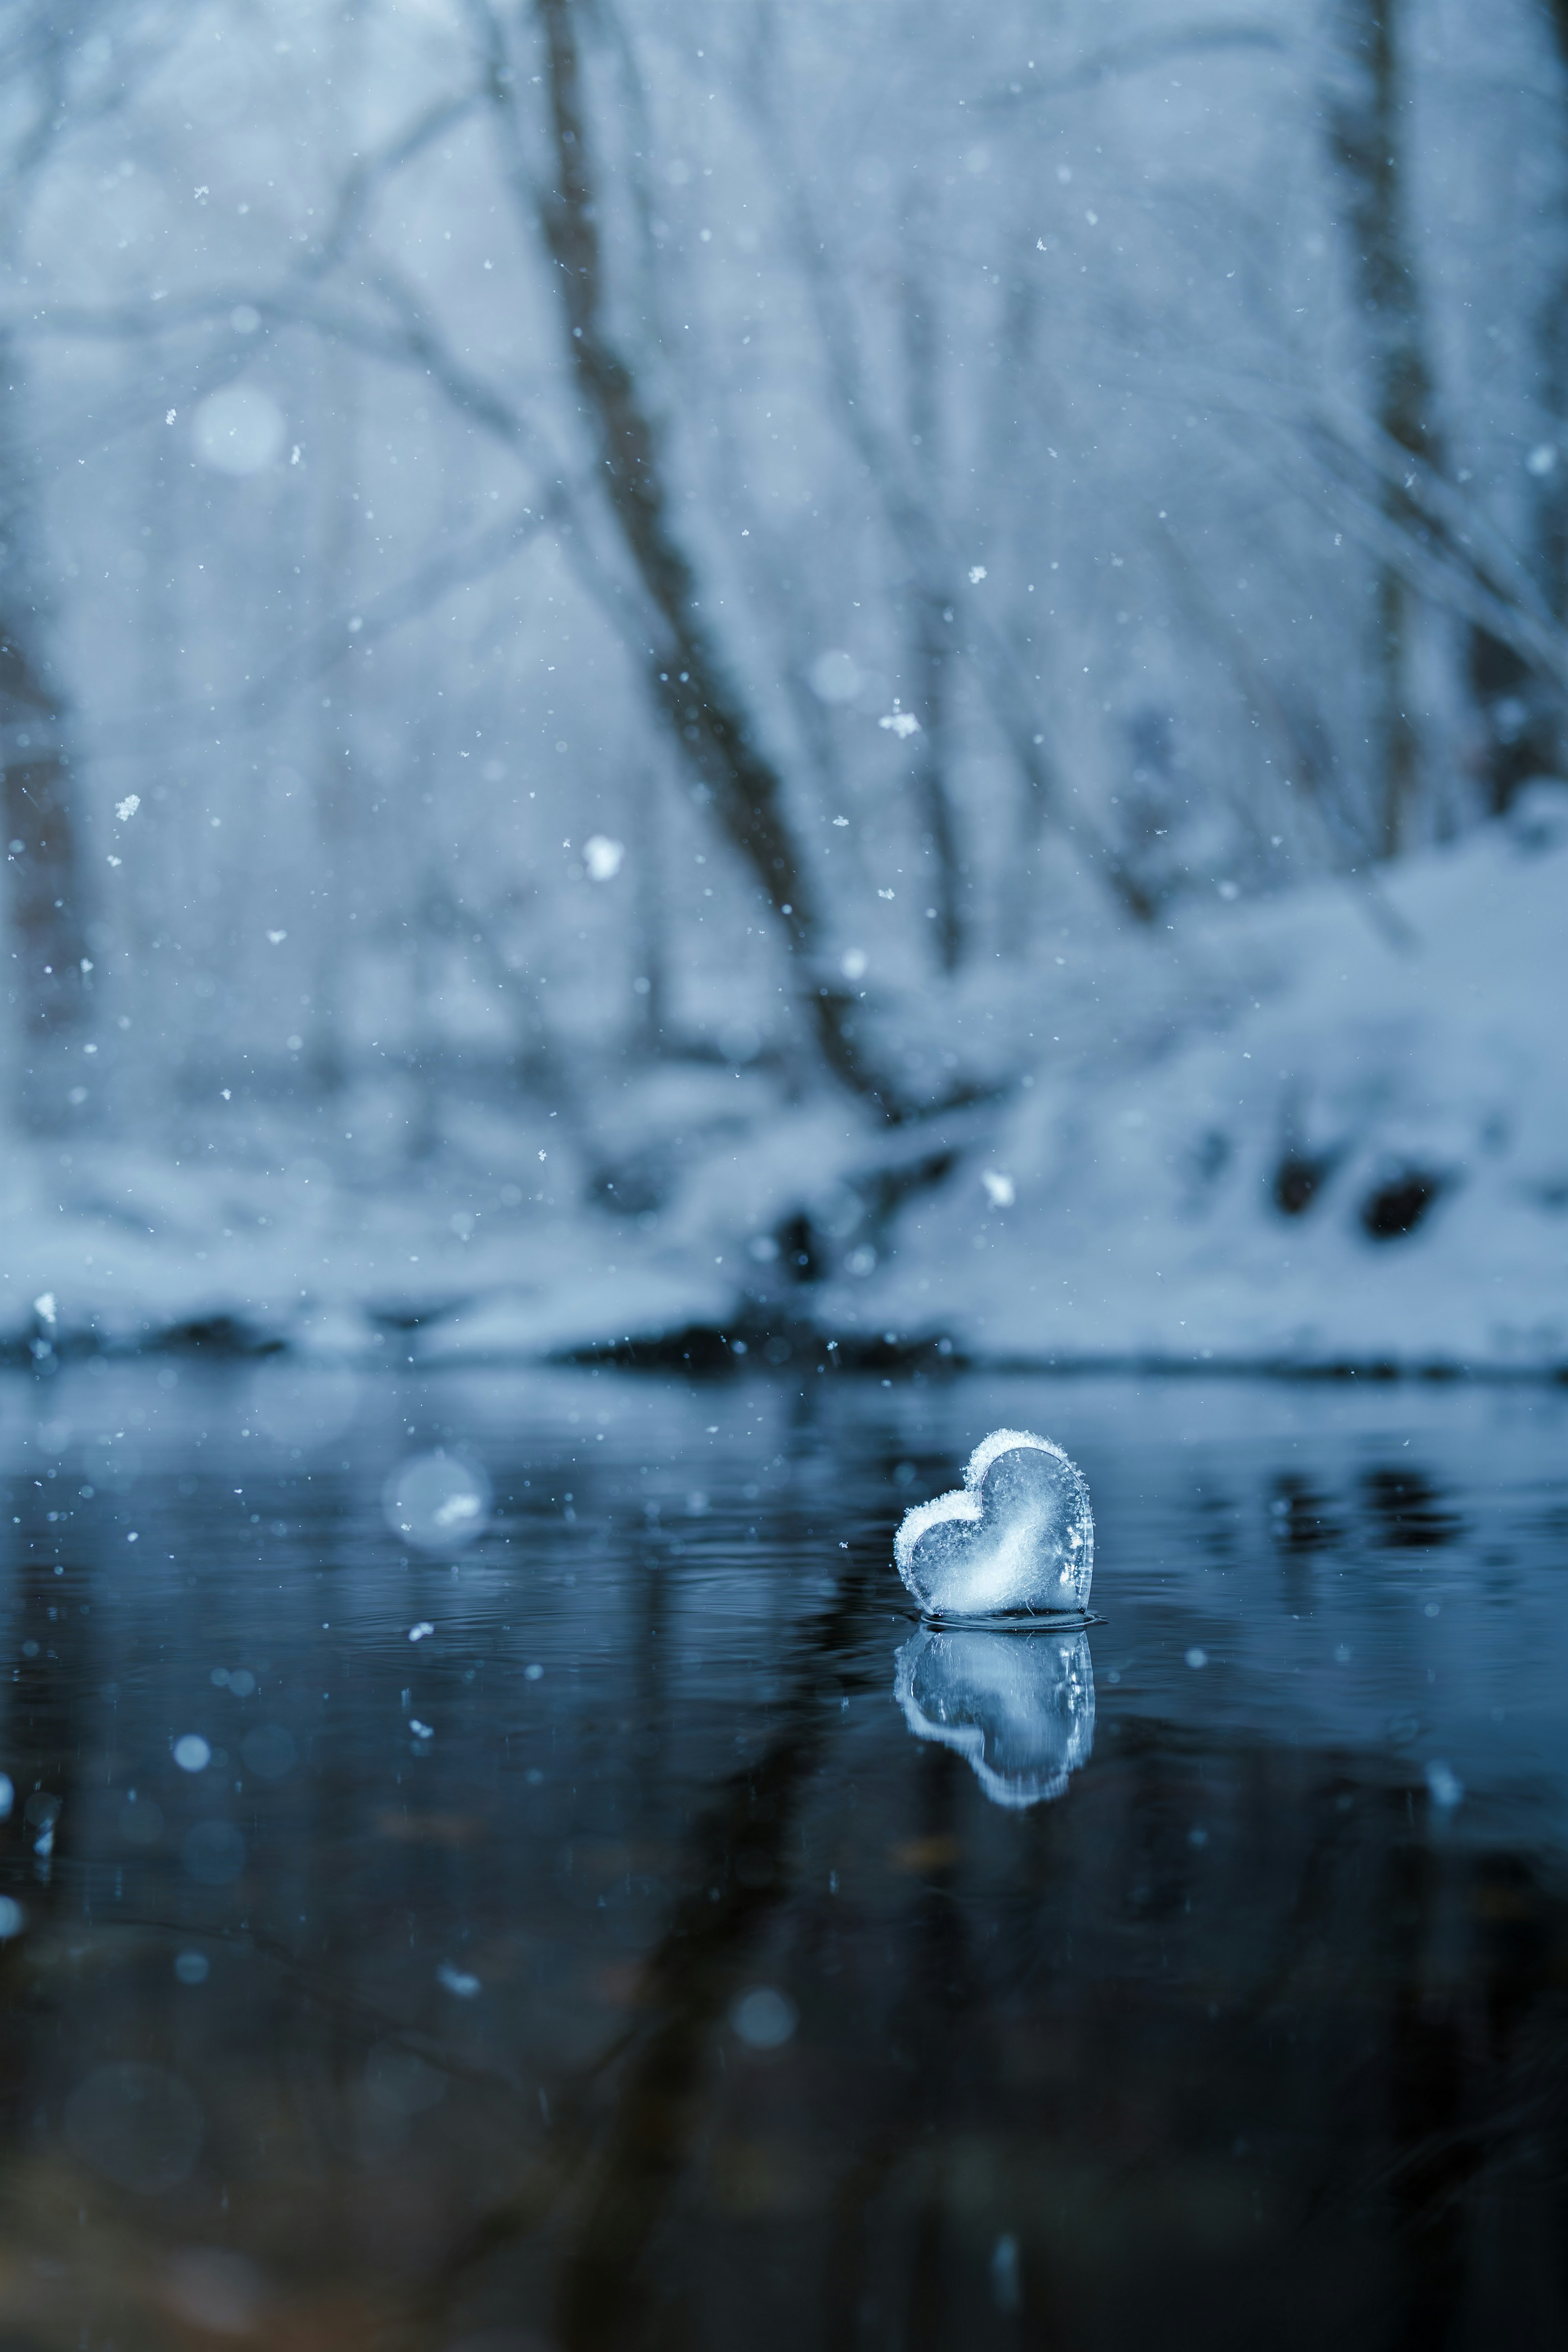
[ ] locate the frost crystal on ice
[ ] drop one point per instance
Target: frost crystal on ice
(1018, 1706)
(1017, 1536)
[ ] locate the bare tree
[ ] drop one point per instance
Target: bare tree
(931, 626)
(1526, 708)
(691, 683)
(1367, 122)
(42, 847)
(43, 852)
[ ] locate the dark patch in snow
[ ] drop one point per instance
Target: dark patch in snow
(1298, 1179)
(221, 1334)
(1398, 1207)
(696, 1348)
(801, 1252)
(760, 1342)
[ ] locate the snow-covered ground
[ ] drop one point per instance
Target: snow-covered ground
(1321, 1130)
(1366, 1163)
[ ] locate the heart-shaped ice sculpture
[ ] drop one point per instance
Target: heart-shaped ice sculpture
(1018, 1706)
(1017, 1536)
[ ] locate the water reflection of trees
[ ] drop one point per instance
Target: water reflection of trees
(1284, 2079)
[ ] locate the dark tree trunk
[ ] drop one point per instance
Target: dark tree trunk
(1367, 129)
(1531, 739)
(700, 702)
(934, 646)
(40, 849)
(42, 853)
(933, 653)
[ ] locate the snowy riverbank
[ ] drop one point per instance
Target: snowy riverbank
(1344, 1142)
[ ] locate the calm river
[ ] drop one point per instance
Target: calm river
(554, 1897)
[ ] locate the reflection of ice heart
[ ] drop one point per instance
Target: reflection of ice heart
(1019, 1706)
(1018, 1535)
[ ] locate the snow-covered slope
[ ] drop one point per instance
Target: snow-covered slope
(1367, 1164)
(1324, 1128)
(122, 1250)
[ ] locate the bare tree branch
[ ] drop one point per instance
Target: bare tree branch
(1141, 54)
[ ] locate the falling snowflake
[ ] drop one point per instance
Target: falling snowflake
(901, 723)
(128, 806)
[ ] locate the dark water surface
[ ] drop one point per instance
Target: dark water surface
(614, 1966)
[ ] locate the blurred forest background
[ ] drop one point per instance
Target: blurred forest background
(699, 668)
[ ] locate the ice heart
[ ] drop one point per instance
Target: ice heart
(1019, 1707)
(1018, 1535)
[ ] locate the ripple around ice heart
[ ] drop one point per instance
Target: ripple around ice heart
(1019, 1707)
(1016, 1539)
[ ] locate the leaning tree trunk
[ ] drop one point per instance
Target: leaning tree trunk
(1541, 730)
(933, 636)
(1550, 501)
(42, 851)
(1367, 131)
(700, 702)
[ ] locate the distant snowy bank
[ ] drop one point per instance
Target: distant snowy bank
(1367, 1164)
(1329, 1130)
